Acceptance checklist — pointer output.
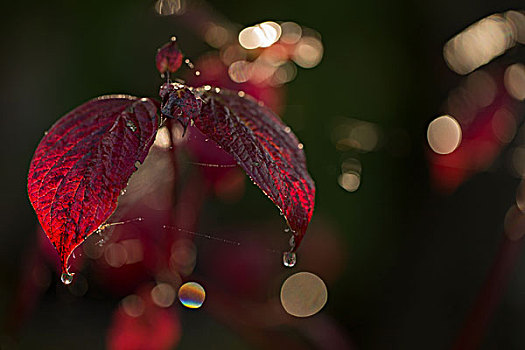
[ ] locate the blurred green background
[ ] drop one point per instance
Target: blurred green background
(414, 259)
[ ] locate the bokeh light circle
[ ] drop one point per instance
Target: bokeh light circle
(349, 181)
(132, 305)
(515, 81)
(163, 295)
(444, 134)
(249, 37)
(192, 295)
(303, 294)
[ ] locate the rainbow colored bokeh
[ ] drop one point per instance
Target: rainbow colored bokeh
(192, 295)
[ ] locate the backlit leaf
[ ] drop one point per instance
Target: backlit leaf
(260, 143)
(84, 162)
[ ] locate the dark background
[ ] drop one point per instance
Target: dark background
(415, 259)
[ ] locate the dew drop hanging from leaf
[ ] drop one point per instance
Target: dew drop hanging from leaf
(66, 278)
(289, 259)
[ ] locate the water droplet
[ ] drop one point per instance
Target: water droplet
(197, 73)
(131, 125)
(292, 241)
(137, 164)
(46, 132)
(289, 259)
(123, 192)
(287, 129)
(207, 87)
(300, 146)
(189, 64)
(287, 229)
(217, 90)
(67, 278)
(241, 93)
(162, 76)
(173, 38)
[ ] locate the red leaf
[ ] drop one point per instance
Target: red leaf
(262, 145)
(169, 57)
(84, 162)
